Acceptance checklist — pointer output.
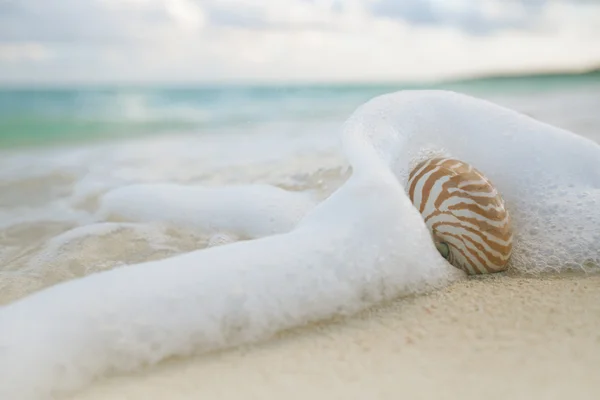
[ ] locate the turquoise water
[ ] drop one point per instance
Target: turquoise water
(37, 116)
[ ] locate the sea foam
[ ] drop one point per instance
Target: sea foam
(247, 211)
(364, 244)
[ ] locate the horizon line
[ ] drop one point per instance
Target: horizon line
(458, 79)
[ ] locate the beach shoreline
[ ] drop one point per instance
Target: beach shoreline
(490, 337)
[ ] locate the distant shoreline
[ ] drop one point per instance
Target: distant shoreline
(484, 77)
(528, 75)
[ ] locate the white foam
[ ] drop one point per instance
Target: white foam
(57, 211)
(221, 239)
(549, 177)
(53, 248)
(363, 244)
(249, 211)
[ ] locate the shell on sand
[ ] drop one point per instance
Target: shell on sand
(465, 214)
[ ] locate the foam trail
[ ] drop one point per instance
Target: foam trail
(249, 211)
(364, 244)
(52, 249)
(343, 257)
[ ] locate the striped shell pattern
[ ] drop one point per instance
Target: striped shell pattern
(465, 214)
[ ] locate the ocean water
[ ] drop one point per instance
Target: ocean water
(32, 116)
(139, 224)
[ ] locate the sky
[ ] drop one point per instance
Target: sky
(97, 41)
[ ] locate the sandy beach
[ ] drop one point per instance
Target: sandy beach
(495, 338)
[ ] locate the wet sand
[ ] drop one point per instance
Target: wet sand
(483, 338)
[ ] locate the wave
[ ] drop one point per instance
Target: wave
(364, 244)
(51, 116)
(45, 116)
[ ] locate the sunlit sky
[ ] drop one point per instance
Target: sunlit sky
(291, 40)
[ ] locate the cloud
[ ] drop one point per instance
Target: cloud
(95, 21)
(279, 15)
(64, 21)
(214, 40)
(475, 17)
(23, 52)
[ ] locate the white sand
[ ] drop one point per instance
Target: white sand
(486, 338)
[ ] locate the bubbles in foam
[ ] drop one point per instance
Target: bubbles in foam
(539, 169)
(220, 239)
(365, 243)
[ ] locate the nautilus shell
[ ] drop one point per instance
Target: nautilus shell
(465, 214)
